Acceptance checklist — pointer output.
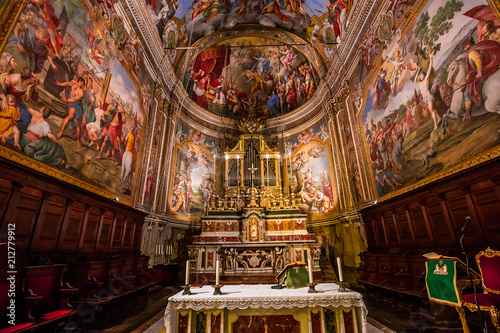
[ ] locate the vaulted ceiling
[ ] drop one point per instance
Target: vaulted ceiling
(249, 57)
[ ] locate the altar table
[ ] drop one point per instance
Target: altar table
(258, 308)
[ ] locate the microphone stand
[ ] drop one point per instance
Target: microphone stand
(462, 234)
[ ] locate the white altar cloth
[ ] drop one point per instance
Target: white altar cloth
(262, 296)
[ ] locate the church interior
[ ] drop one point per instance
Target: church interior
(250, 166)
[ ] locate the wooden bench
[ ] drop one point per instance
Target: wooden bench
(11, 302)
(45, 284)
(394, 275)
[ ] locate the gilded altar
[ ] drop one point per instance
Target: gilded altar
(254, 227)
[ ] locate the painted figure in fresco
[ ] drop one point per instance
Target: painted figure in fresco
(483, 62)
(23, 86)
(273, 104)
(179, 200)
(308, 177)
(291, 93)
(288, 56)
(38, 141)
(429, 91)
(75, 107)
(381, 85)
(94, 51)
(200, 88)
(8, 122)
(326, 184)
(488, 25)
(149, 185)
(206, 197)
(216, 86)
(46, 12)
(336, 16)
(128, 159)
(112, 140)
(397, 153)
(490, 32)
(7, 63)
(94, 129)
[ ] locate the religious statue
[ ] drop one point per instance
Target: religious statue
(279, 259)
(229, 254)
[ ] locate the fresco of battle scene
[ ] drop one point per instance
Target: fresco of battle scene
(67, 100)
(251, 80)
(192, 185)
(433, 101)
(310, 172)
(183, 22)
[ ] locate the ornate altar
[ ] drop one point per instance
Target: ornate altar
(252, 228)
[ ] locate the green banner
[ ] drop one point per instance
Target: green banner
(440, 279)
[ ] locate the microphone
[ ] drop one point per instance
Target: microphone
(467, 221)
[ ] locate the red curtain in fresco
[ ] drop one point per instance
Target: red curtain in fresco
(212, 62)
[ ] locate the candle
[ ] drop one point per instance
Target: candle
(340, 270)
(217, 277)
(187, 273)
(238, 170)
(267, 157)
(310, 270)
(279, 168)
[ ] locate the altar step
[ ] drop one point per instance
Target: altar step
(327, 272)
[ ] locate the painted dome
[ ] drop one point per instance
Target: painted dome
(244, 57)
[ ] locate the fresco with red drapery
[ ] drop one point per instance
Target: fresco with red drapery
(208, 67)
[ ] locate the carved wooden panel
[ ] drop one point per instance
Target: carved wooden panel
(404, 227)
(418, 219)
(49, 225)
(128, 234)
(137, 235)
(104, 235)
(379, 230)
(91, 228)
(431, 219)
(487, 203)
(71, 231)
(24, 214)
(5, 191)
(458, 212)
(438, 221)
(117, 234)
(391, 229)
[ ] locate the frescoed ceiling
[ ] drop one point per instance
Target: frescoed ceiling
(250, 57)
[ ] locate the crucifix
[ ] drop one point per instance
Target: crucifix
(252, 203)
(252, 170)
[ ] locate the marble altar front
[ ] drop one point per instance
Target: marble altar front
(259, 308)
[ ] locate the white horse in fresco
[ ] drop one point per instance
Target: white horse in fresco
(457, 78)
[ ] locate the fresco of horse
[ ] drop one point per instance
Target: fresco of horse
(431, 104)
